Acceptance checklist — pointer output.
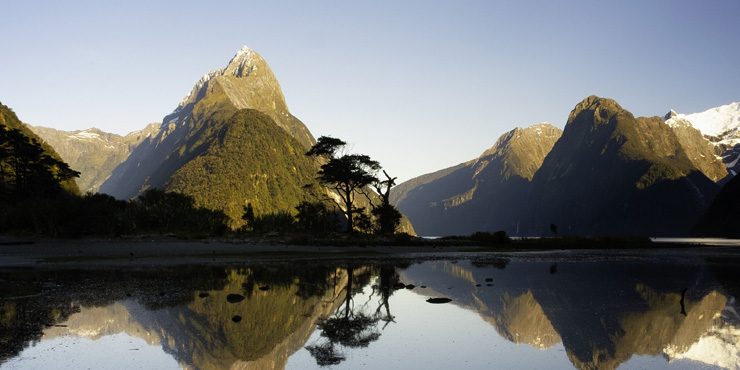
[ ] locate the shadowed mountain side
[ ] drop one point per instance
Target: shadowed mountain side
(480, 195)
(154, 161)
(612, 173)
(722, 218)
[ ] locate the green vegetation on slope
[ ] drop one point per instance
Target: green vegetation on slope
(26, 160)
(245, 159)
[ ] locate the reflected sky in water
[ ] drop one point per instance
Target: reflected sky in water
(674, 312)
(112, 352)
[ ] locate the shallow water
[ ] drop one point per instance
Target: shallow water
(665, 311)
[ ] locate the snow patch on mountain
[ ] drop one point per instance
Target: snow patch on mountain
(719, 121)
(85, 135)
(720, 348)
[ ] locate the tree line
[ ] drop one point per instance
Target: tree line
(38, 197)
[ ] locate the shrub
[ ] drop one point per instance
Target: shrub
(499, 237)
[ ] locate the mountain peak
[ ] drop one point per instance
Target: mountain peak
(600, 108)
(244, 62)
(670, 115)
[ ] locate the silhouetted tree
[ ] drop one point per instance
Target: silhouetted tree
(316, 218)
(248, 215)
(345, 328)
(388, 216)
(345, 173)
(25, 169)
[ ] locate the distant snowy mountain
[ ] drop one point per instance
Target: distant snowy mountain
(718, 121)
(720, 126)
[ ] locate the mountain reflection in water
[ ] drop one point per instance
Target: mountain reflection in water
(597, 313)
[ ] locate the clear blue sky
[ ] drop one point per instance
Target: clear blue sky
(417, 85)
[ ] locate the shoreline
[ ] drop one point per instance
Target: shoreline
(169, 251)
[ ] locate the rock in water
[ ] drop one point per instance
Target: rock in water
(439, 300)
(234, 298)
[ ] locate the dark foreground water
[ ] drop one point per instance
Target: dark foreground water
(495, 311)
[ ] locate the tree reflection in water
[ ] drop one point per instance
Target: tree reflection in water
(351, 326)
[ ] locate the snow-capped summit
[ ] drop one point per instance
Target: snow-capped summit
(716, 121)
(720, 126)
(243, 63)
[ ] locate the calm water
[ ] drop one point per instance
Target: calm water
(666, 311)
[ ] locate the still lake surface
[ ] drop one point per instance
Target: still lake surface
(658, 310)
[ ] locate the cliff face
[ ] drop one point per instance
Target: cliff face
(247, 82)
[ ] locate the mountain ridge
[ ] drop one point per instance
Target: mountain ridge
(607, 172)
(95, 153)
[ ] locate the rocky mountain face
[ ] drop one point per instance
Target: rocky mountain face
(484, 194)
(247, 82)
(92, 152)
(612, 173)
(225, 143)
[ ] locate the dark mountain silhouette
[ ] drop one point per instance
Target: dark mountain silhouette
(722, 218)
